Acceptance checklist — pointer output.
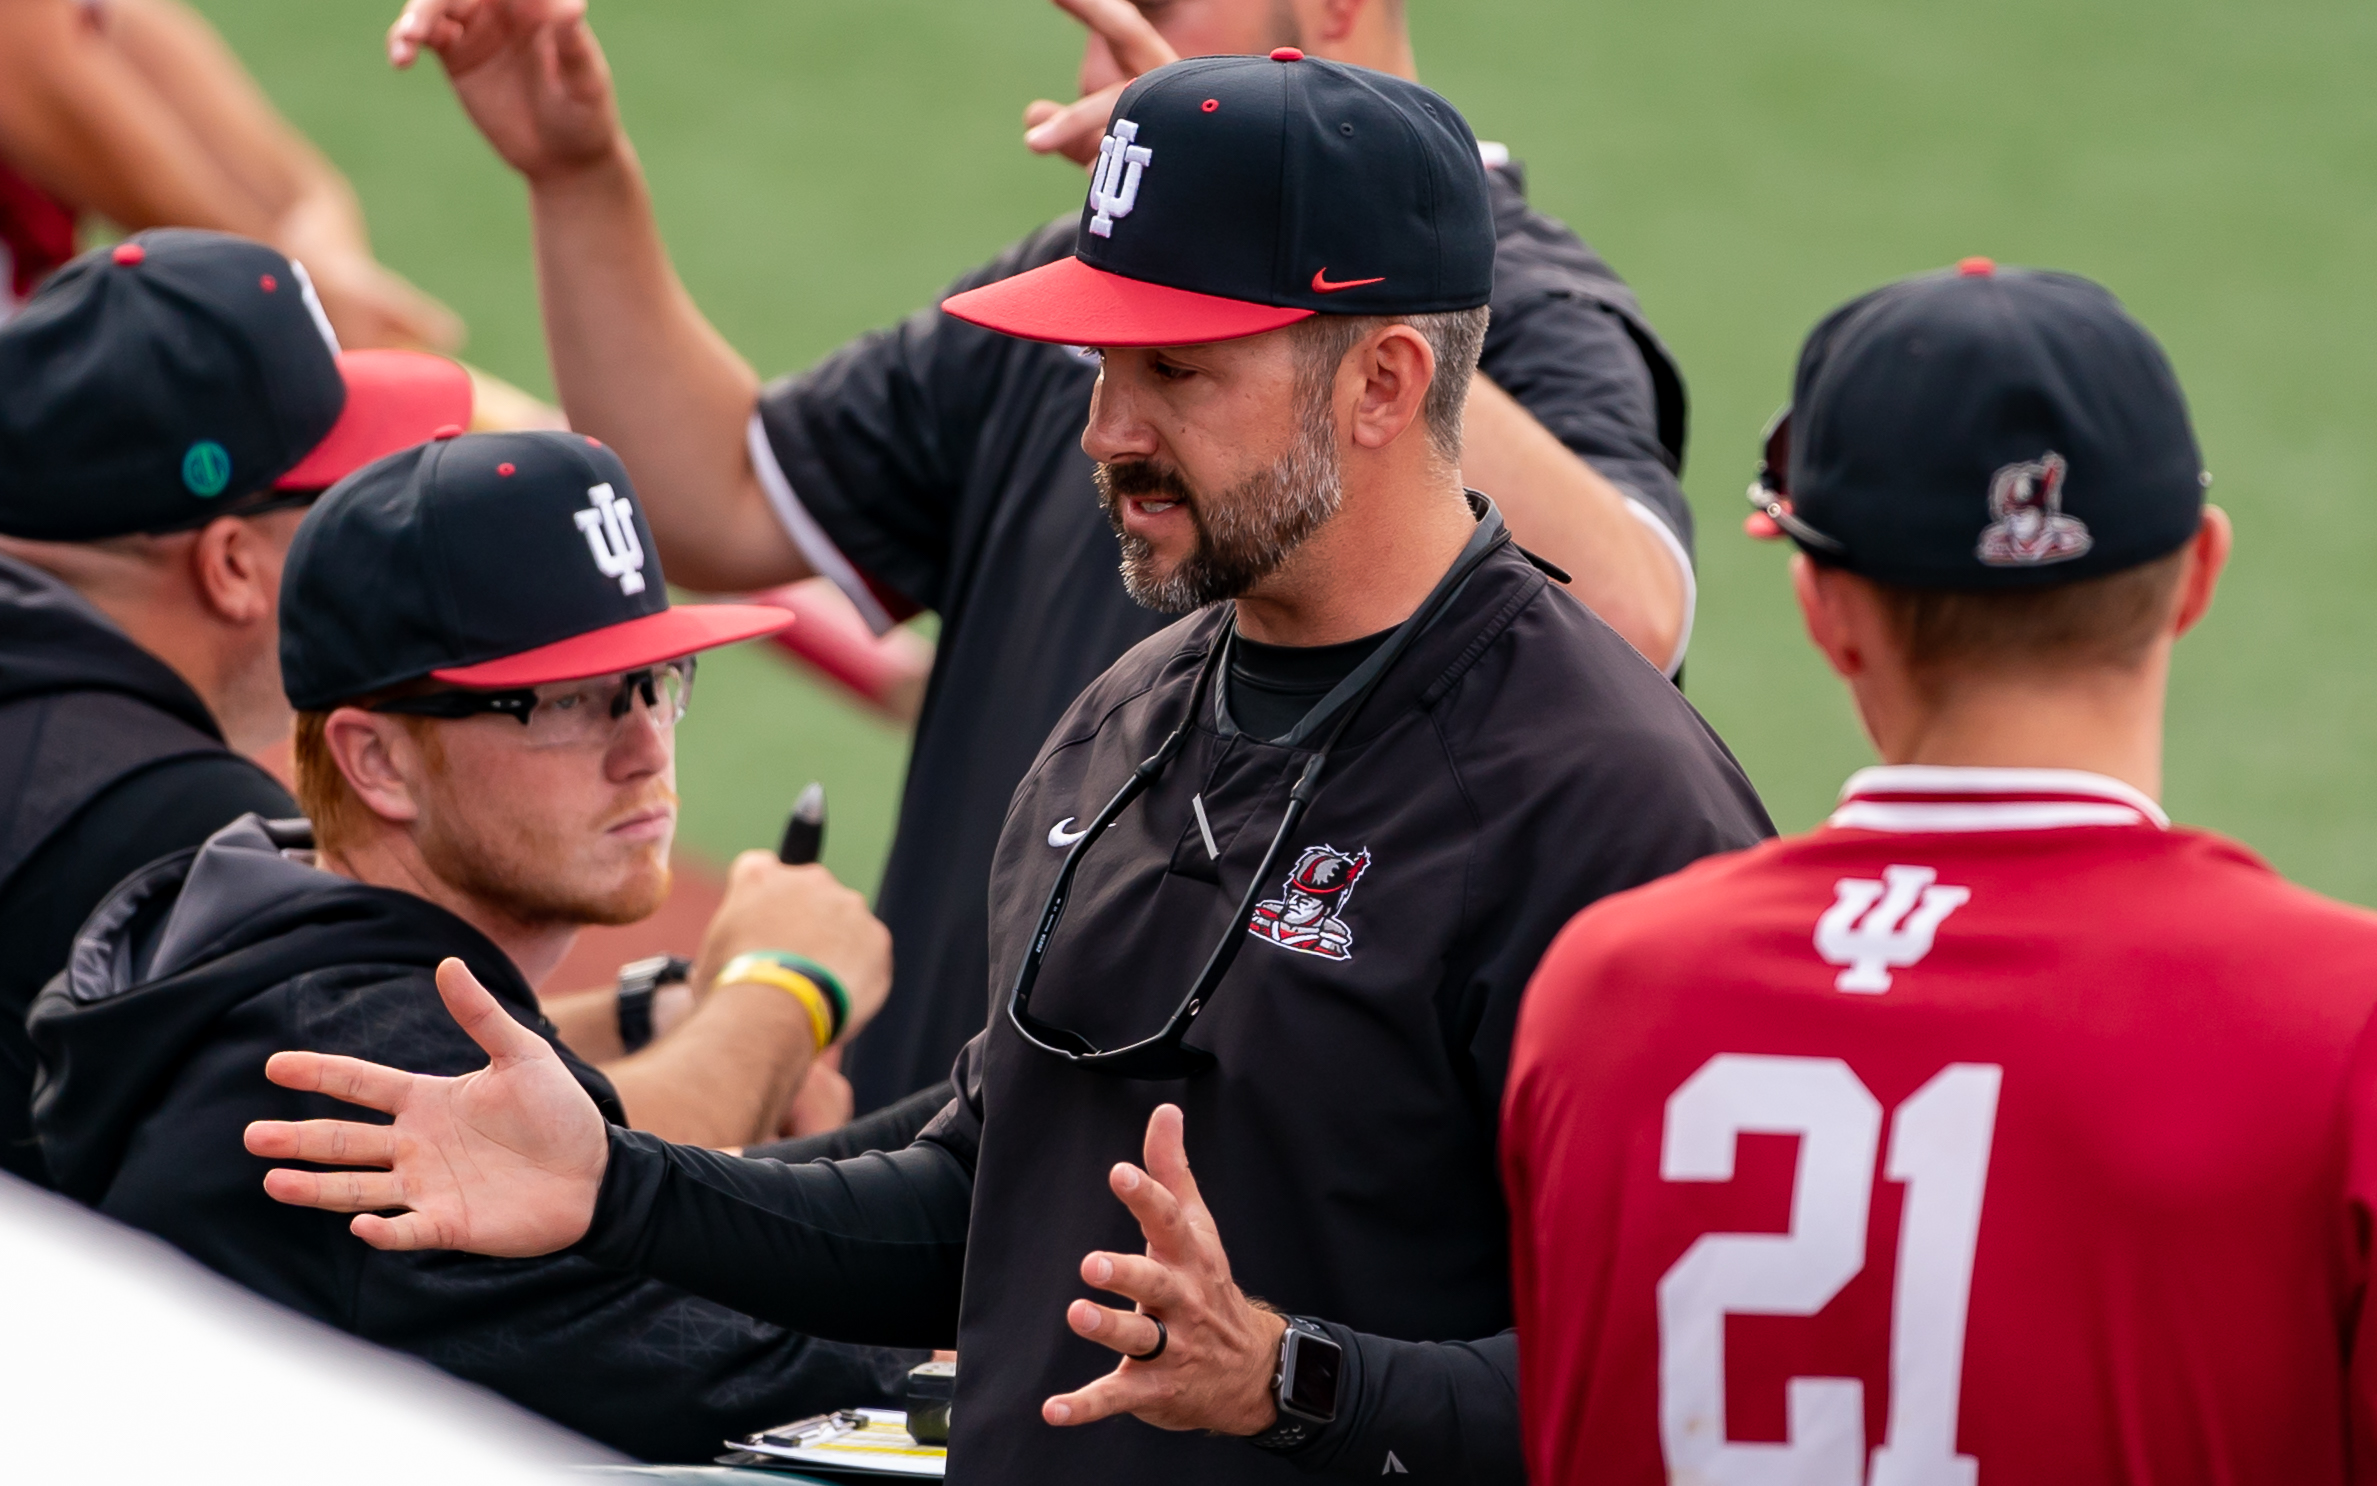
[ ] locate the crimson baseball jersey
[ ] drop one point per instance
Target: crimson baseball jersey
(1994, 1132)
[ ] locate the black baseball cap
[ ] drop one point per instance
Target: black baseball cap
(180, 375)
(1983, 428)
(1236, 195)
(494, 560)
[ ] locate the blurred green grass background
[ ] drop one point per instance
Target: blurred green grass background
(823, 168)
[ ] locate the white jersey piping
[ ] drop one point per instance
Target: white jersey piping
(2113, 804)
(816, 548)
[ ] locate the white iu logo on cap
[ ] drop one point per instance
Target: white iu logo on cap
(610, 528)
(1114, 186)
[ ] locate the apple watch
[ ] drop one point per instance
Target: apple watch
(1304, 1386)
(639, 982)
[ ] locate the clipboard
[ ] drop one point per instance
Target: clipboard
(851, 1442)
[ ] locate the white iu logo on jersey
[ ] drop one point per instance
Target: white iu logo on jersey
(610, 527)
(1873, 927)
(1114, 186)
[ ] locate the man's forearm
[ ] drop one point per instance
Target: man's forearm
(78, 119)
(869, 1250)
(639, 368)
(1560, 508)
(186, 63)
(725, 1076)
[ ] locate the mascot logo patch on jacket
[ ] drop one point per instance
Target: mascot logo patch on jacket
(1308, 914)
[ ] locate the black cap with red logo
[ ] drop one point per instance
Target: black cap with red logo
(1982, 429)
(1236, 195)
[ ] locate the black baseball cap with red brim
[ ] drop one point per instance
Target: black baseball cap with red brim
(1238, 195)
(395, 399)
(182, 375)
(491, 561)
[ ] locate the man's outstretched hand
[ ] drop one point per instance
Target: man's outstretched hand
(1220, 1348)
(529, 73)
(505, 1161)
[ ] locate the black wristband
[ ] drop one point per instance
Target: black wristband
(639, 982)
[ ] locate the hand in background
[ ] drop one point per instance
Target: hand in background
(505, 1161)
(528, 72)
(1073, 129)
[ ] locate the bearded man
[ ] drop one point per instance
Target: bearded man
(1372, 668)
(488, 675)
(933, 464)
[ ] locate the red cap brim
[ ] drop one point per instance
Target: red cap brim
(395, 399)
(1073, 304)
(625, 647)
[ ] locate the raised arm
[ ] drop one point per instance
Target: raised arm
(78, 119)
(1623, 567)
(634, 360)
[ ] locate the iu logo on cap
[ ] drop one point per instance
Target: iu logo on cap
(1114, 186)
(610, 527)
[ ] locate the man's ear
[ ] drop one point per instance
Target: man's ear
(1830, 611)
(1395, 365)
(235, 565)
(2206, 560)
(381, 759)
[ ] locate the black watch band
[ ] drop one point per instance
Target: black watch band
(1304, 1385)
(639, 982)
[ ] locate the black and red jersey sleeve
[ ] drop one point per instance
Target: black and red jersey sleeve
(877, 439)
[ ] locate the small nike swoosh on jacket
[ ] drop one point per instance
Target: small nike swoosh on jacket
(1060, 838)
(1322, 284)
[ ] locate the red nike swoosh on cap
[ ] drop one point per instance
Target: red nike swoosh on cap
(1321, 283)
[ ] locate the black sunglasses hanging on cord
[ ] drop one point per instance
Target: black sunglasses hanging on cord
(1165, 1055)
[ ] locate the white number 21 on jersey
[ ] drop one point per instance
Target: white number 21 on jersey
(1939, 1147)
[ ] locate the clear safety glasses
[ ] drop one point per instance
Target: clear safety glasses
(568, 714)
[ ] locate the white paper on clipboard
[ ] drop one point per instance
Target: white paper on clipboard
(882, 1446)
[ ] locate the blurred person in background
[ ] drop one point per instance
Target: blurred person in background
(168, 408)
(487, 690)
(135, 111)
(937, 465)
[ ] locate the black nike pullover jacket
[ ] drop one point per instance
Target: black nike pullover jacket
(153, 1042)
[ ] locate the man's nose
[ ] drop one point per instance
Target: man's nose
(1116, 431)
(640, 745)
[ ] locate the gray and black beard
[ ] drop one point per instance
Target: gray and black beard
(1243, 535)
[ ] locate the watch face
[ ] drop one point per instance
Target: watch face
(1312, 1379)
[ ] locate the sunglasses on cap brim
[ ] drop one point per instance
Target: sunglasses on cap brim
(1771, 517)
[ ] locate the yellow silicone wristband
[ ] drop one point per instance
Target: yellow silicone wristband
(760, 970)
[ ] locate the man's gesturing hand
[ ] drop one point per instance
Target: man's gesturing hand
(528, 72)
(1220, 1348)
(1132, 46)
(505, 1161)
